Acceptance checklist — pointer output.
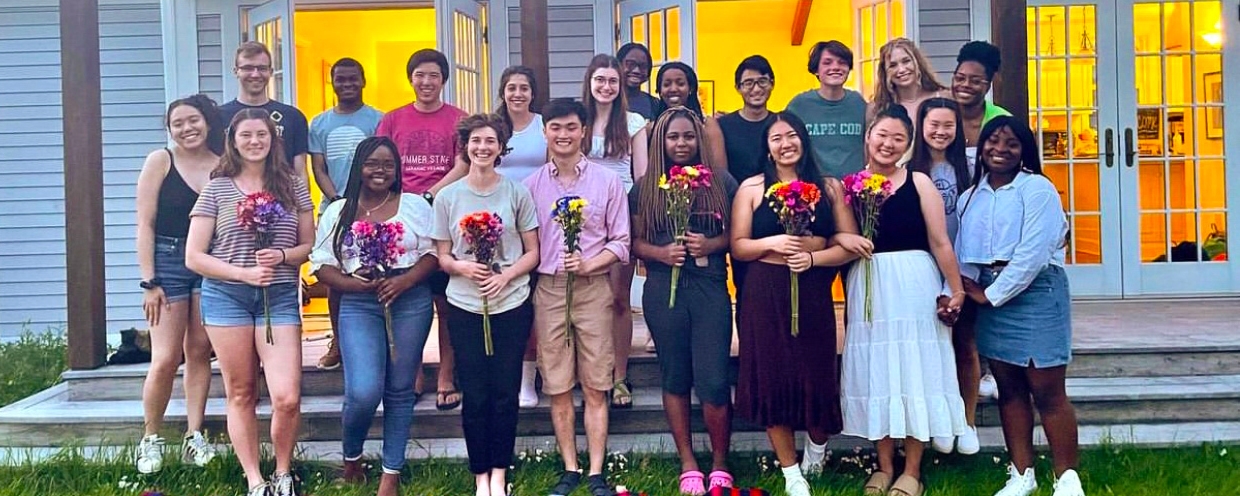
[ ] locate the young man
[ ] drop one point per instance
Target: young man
(588, 357)
(252, 66)
(425, 135)
(755, 80)
(334, 135)
(636, 61)
(833, 115)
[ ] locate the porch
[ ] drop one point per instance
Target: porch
(1147, 373)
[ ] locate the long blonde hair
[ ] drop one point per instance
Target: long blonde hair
(651, 213)
(884, 94)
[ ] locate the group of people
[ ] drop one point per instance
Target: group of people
(967, 260)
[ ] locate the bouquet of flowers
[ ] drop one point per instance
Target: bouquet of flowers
(794, 203)
(569, 213)
(680, 183)
(481, 231)
(866, 192)
(377, 245)
(259, 213)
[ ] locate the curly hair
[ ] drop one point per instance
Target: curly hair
(468, 125)
(983, 53)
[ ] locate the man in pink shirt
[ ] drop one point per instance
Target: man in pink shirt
(587, 358)
(425, 135)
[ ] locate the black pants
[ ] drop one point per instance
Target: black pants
(489, 384)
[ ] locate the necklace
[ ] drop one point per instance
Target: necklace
(376, 207)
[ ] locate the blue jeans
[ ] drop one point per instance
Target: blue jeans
(371, 376)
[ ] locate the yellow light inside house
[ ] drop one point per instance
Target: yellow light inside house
(1214, 38)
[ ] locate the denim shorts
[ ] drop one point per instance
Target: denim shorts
(234, 305)
(177, 280)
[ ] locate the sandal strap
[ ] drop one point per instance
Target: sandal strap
(879, 481)
(906, 486)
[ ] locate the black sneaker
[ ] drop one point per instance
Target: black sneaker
(598, 486)
(569, 480)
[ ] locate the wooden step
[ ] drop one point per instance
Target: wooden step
(50, 418)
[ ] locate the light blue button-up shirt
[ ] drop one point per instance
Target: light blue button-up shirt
(1022, 223)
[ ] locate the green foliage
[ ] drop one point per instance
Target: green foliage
(32, 363)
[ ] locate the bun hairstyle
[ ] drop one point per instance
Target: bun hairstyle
(897, 112)
(983, 53)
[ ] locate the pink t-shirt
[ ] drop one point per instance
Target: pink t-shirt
(426, 142)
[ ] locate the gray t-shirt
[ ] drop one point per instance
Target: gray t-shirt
(836, 130)
(515, 206)
(944, 177)
(335, 136)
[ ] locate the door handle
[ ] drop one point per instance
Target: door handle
(1109, 142)
(1130, 147)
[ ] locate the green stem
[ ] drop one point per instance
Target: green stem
(568, 309)
(267, 316)
(671, 301)
(796, 305)
(387, 319)
(486, 327)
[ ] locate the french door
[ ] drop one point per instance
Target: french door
(1127, 98)
(461, 37)
(271, 24)
(665, 27)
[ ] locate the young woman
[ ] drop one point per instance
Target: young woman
(678, 86)
(617, 141)
(245, 286)
(167, 189)
(1012, 231)
(899, 377)
(695, 337)
(903, 78)
(636, 61)
(378, 370)
(489, 383)
(938, 152)
(976, 66)
(527, 152)
(784, 382)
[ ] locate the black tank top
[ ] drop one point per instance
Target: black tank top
(901, 225)
(766, 222)
(176, 199)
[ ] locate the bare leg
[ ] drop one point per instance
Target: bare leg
(913, 450)
(1016, 412)
(622, 316)
(499, 482)
(239, 366)
(968, 366)
(167, 339)
(677, 410)
(719, 427)
(482, 484)
(197, 380)
(282, 369)
(1058, 415)
(887, 456)
(564, 419)
(784, 442)
(596, 418)
(447, 363)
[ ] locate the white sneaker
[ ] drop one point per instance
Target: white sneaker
(150, 454)
(1019, 485)
(1069, 484)
(988, 388)
(528, 398)
(812, 458)
(282, 485)
(196, 450)
(650, 345)
(967, 443)
(794, 481)
(263, 489)
(943, 444)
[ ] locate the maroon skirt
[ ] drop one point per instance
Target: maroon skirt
(785, 380)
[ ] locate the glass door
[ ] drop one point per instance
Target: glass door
(1175, 159)
(665, 27)
(465, 46)
(271, 24)
(1072, 110)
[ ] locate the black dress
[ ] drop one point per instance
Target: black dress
(785, 380)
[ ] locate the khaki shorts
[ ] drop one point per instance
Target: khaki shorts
(592, 355)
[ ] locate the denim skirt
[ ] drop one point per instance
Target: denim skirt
(1034, 328)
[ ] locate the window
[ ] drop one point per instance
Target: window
(878, 21)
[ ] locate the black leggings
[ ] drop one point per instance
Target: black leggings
(489, 384)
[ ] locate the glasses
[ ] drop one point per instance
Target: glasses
(969, 80)
(763, 83)
(247, 69)
(605, 81)
(633, 64)
(377, 165)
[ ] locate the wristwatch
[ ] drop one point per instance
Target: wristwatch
(429, 197)
(150, 284)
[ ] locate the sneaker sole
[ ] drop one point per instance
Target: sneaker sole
(333, 367)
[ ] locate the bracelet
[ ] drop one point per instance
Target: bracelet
(811, 259)
(283, 256)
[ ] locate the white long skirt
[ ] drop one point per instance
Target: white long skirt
(899, 373)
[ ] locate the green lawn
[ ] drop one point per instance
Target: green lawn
(1205, 470)
(30, 364)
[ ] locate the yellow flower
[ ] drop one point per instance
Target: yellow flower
(663, 182)
(577, 205)
(692, 171)
(875, 183)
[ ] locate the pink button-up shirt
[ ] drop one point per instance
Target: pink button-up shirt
(606, 214)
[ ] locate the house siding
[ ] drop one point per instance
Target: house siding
(210, 57)
(570, 43)
(943, 27)
(32, 231)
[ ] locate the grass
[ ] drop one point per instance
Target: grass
(1207, 470)
(32, 363)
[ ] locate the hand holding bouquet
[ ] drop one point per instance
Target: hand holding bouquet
(866, 192)
(258, 214)
(377, 245)
(481, 231)
(680, 183)
(794, 203)
(569, 213)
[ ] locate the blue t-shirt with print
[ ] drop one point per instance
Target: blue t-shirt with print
(335, 136)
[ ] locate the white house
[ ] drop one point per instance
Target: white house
(1140, 170)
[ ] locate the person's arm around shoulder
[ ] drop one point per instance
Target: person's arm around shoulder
(150, 181)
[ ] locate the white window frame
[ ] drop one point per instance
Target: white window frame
(862, 79)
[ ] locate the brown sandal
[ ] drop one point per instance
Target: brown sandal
(878, 484)
(907, 486)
